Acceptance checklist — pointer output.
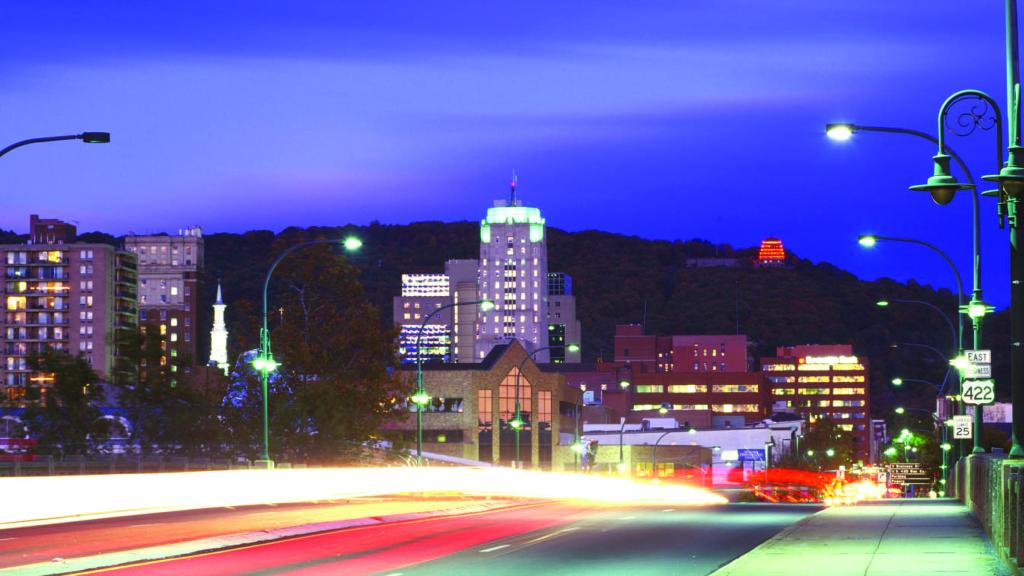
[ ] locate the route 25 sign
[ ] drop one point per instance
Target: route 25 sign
(979, 392)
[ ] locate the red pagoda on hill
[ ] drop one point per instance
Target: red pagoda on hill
(771, 253)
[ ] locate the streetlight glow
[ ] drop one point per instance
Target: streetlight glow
(882, 303)
(573, 347)
(900, 409)
(897, 381)
(487, 305)
(867, 240)
(625, 384)
(352, 244)
(830, 452)
(839, 132)
(420, 398)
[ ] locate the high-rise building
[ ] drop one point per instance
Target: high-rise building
(169, 270)
(823, 381)
(513, 275)
(532, 306)
(62, 295)
(219, 335)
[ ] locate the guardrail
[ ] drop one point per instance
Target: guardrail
(75, 465)
(993, 488)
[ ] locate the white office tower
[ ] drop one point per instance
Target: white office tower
(514, 275)
(219, 335)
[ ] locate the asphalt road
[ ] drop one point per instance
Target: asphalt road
(48, 543)
(631, 542)
(524, 540)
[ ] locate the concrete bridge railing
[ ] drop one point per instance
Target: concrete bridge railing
(993, 488)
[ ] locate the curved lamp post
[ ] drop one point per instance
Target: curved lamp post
(517, 422)
(420, 397)
(952, 329)
(264, 362)
(87, 137)
(869, 241)
(897, 382)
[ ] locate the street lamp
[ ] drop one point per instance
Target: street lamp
(517, 423)
(952, 330)
(87, 137)
(264, 362)
(420, 397)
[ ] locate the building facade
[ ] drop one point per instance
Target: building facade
(563, 327)
(681, 353)
(514, 275)
(61, 294)
(823, 381)
(169, 271)
(472, 405)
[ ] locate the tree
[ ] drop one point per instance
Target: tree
(167, 412)
(332, 390)
(824, 436)
(64, 418)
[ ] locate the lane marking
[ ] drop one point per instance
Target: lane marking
(552, 535)
(493, 548)
(11, 538)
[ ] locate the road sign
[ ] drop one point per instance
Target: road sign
(979, 392)
(751, 454)
(977, 371)
(963, 427)
(903, 473)
(979, 356)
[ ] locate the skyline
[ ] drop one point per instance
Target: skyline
(422, 114)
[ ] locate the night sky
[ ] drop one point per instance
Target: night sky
(664, 119)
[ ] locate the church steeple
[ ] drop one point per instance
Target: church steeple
(219, 335)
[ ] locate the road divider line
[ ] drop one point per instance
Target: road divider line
(493, 548)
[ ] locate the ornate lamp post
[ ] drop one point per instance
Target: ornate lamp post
(264, 362)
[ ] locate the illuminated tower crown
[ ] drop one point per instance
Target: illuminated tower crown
(219, 335)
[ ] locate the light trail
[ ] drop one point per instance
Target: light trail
(67, 498)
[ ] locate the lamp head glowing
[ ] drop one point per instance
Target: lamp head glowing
(693, 431)
(839, 132)
(577, 447)
(486, 305)
(830, 452)
(977, 309)
(352, 244)
(516, 424)
(897, 381)
(264, 363)
(810, 452)
(421, 398)
(900, 410)
(664, 408)
(624, 384)
(960, 362)
(573, 347)
(946, 446)
(867, 240)
(882, 303)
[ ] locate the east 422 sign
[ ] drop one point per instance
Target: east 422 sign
(979, 392)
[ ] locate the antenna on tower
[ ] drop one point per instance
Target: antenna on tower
(512, 192)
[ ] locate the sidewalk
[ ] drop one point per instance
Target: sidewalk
(887, 538)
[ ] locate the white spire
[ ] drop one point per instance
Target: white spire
(219, 335)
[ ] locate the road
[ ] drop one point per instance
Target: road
(528, 539)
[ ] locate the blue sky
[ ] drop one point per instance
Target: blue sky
(663, 119)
